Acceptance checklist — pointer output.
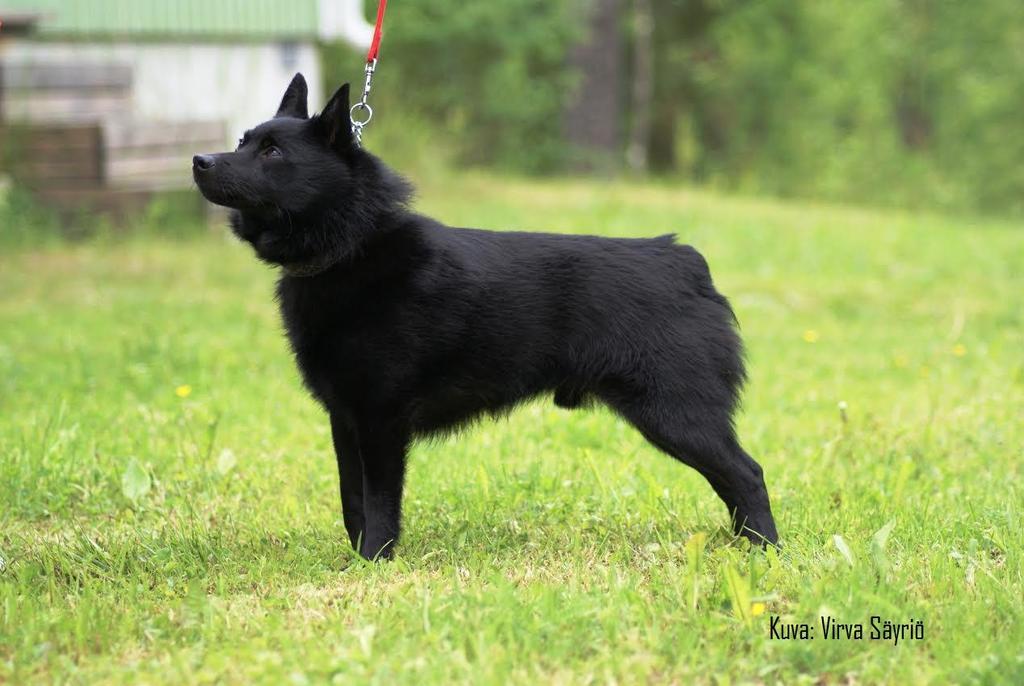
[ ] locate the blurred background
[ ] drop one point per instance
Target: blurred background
(908, 103)
(168, 495)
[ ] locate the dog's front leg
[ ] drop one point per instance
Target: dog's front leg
(350, 472)
(383, 450)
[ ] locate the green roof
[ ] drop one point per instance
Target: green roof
(170, 18)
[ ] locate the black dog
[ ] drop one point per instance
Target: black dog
(403, 327)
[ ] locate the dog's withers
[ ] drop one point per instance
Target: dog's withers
(403, 327)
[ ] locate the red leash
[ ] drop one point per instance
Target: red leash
(375, 43)
(371, 65)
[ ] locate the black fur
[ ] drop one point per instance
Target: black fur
(403, 327)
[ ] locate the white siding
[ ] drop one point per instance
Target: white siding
(240, 84)
(343, 19)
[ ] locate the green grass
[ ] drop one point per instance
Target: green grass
(550, 547)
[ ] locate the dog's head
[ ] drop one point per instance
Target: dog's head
(303, 191)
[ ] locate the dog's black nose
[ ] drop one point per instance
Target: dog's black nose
(203, 161)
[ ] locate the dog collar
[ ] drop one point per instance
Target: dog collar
(311, 268)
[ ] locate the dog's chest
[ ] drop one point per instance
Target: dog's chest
(343, 349)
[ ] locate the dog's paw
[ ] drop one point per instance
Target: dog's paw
(381, 550)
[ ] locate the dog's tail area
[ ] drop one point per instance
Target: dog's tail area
(727, 352)
(699, 275)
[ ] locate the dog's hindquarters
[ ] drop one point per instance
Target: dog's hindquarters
(675, 372)
(677, 422)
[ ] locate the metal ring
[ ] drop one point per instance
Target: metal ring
(360, 106)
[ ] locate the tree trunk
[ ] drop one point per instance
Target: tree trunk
(592, 120)
(643, 86)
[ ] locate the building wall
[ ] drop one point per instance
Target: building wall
(238, 83)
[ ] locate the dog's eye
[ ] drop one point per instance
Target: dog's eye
(272, 151)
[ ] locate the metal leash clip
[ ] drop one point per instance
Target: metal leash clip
(362, 105)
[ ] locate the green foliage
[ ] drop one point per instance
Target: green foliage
(26, 221)
(907, 103)
(884, 400)
(172, 213)
(897, 102)
(23, 221)
(490, 75)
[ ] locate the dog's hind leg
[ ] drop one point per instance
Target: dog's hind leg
(350, 472)
(704, 439)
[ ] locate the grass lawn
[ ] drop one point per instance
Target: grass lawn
(168, 497)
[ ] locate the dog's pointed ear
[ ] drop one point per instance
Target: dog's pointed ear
(334, 121)
(293, 104)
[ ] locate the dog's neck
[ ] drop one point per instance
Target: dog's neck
(335, 237)
(313, 267)
(391, 248)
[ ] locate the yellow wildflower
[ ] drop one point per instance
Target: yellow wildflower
(757, 609)
(183, 391)
(959, 349)
(811, 336)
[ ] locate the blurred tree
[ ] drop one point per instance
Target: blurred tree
(493, 75)
(593, 115)
(895, 101)
(642, 90)
(901, 102)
